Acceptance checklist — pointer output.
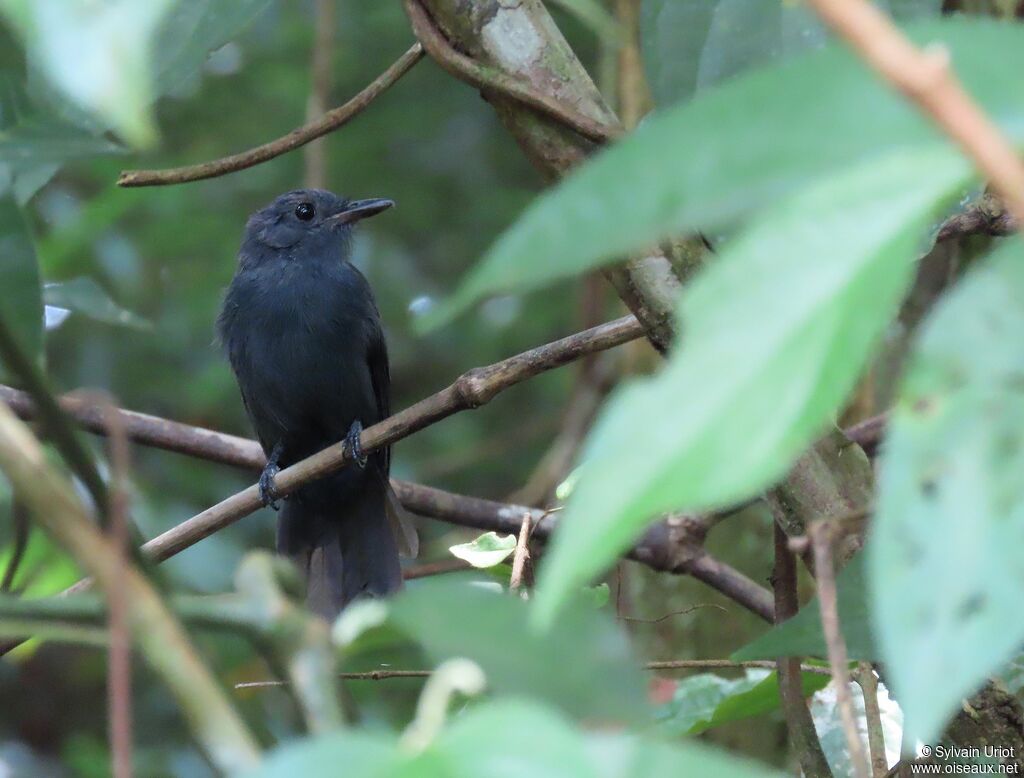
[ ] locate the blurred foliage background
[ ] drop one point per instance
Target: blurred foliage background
(134, 279)
(164, 255)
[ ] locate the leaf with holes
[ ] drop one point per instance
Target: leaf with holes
(945, 570)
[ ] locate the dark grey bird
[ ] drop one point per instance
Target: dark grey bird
(303, 334)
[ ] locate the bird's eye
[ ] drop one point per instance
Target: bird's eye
(305, 211)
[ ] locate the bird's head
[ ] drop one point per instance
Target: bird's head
(309, 219)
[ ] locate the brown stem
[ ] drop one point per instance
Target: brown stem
(868, 683)
(119, 673)
(435, 568)
(825, 579)
(646, 283)
(521, 558)
(987, 216)
(803, 737)
(329, 122)
(926, 78)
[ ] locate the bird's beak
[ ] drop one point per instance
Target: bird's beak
(360, 209)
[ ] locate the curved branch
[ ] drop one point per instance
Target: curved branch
(330, 121)
(490, 79)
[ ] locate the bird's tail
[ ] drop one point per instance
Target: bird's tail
(345, 548)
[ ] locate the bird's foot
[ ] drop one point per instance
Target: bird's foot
(268, 491)
(352, 444)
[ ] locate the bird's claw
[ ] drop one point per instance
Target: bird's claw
(268, 491)
(352, 444)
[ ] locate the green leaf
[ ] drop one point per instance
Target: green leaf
(485, 741)
(752, 141)
(190, 31)
(33, 143)
(84, 296)
(361, 753)
(479, 744)
(691, 46)
(704, 701)
(777, 329)
(802, 635)
(96, 54)
(945, 570)
(594, 16)
(21, 305)
(587, 668)
(488, 550)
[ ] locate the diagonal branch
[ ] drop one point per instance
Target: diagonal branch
(665, 547)
(329, 122)
(926, 78)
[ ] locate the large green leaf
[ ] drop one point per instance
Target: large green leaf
(97, 54)
(33, 143)
(946, 573)
(190, 31)
(506, 739)
(708, 700)
(588, 670)
(802, 635)
(690, 46)
(777, 331)
(751, 141)
(113, 60)
(21, 304)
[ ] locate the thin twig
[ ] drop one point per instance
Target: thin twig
(669, 664)
(371, 675)
(435, 568)
(521, 558)
(672, 614)
(489, 79)
(927, 79)
(825, 579)
(868, 683)
(320, 71)
(803, 736)
(119, 674)
(329, 122)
